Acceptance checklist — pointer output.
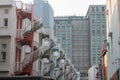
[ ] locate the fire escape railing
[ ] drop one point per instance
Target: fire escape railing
(36, 54)
(23, 6)
(19, 33)
(31, 57)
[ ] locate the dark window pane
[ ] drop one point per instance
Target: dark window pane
(6, 22)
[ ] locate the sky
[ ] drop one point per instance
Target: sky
(71, 7)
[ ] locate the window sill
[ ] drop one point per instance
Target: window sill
(2, 60)
(4, 27)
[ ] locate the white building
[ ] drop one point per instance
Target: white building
(7, 37)
(113, 37)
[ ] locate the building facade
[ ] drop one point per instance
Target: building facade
(87, 34)
(97, 24)
(113, 38)
(7, 37)
(63, 33)
(80, 45)
(72, 33)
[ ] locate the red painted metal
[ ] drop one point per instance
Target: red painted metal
(114, 76)
(23, 40)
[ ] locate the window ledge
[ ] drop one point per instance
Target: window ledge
(4, 27)
(2, 60)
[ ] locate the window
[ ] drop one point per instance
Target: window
(98, 32)
(98, 21)
(103, 26)
(103, 9)
(98, 15)
(97, 9)
(93, 9)
(93, 21)
(3, 56)
(63, 38)
(4, 46)
(5, 21)
(94, 58)
(6, 11)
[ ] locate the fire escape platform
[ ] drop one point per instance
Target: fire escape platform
(24, 14)
(26, 40)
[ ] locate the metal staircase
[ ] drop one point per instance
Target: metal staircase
(25, 66)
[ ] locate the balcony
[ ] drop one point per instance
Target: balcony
(36, 45)
(23, 39)
(24, 9)
(19, 33)
(18, 67)
(25, 66)
(31, 57)
(46, 49)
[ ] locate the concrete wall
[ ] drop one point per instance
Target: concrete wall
(7, 65)
(6, 2)
(11, 15)
(7, 36)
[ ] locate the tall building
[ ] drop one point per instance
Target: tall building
(72, 33)
(63, 32)
(44, 11)
(80, 45)
(113, 39)
(97, 24)
(87, 34)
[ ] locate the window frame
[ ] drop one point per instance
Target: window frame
(5, 21)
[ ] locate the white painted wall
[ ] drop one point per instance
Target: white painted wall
(7, 35)
(92, 73)
(113, 26)
(11, 28)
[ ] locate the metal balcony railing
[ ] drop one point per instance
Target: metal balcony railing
(23, 6)
(36, 44)
(26, 61)
(36, 54)
(32, 57)
(19, 33)
(18, 67)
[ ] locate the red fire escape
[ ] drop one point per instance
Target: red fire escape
(23, 11)
(24, 66)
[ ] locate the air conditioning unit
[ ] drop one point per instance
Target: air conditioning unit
(110, 34)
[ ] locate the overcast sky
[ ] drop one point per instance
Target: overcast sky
(71, 7)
